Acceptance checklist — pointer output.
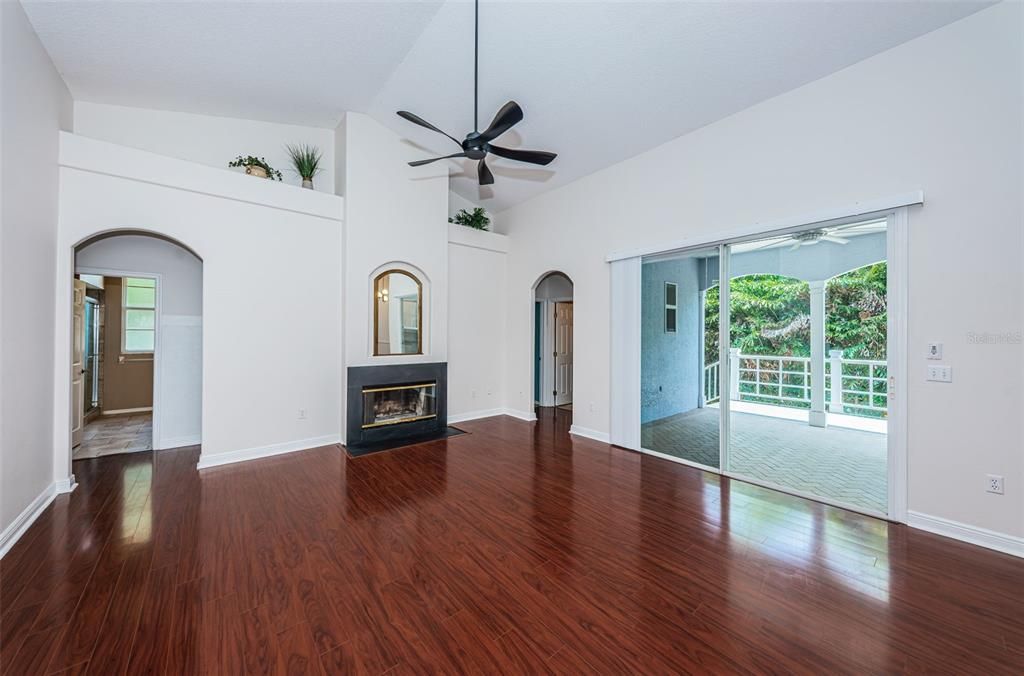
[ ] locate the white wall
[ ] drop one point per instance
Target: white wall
(271, 343)
(339, 158)
(477, 310)
(941, 113)
(34, 105)
(205, 139)
(393, 213)
(177, 412)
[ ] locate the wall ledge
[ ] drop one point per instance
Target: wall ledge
(990, 539)
(462, 235)
(111, 159)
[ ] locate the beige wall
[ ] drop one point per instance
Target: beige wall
(127, 382)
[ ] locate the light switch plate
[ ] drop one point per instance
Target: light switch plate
(934, 351)
(939, 373)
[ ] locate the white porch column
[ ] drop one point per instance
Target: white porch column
(835, 400)
(817, 417)
(702, 395)
(734, 373)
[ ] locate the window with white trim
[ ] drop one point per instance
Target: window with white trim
(671, 307)
(138, 315)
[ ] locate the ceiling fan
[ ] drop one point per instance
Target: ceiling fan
(477, 144)
(809, 237)
(813, 237)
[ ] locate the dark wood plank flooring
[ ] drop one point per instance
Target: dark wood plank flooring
(513, 549)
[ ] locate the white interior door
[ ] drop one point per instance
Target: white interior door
(563, 353)
(77, 362)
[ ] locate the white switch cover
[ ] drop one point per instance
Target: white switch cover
(940, 374)
(934, 351)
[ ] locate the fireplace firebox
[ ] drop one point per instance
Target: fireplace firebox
(394, 405)
(398, 404)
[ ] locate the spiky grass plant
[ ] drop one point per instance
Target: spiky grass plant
(306, 160)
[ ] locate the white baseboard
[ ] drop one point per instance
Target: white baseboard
(21, 523)
(475, 415)
(528, 416)
(66, 485)
(178, 442)
(1001, 542)
(121, 411)
(245, 454)
(590, 434)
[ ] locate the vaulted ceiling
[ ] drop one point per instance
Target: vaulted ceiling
(599, 81)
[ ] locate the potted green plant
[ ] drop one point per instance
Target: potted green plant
(256, 166)
(477, 220)
(306, 160)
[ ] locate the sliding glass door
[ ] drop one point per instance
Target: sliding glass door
(780, 378)
(808, 371)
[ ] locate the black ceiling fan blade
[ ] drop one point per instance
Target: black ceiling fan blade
(532, 156)
(509, 116)
(420, 163)
(485, 175)
(416, 119)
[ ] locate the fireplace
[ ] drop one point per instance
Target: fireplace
(399, 404)
(394, 405)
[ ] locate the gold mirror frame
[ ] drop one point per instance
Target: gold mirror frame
(376, 313)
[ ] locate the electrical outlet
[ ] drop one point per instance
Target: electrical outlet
(934, 351)
(994, 483)
(940, 374)
(302, 414)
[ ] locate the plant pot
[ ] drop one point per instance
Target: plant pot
(254, 170)
(307, 183)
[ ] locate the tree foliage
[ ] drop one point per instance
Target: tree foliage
(770, 315)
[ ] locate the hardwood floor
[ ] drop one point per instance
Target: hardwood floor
(512, 549)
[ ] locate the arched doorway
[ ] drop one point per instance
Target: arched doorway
(136, 345)
(553, 343)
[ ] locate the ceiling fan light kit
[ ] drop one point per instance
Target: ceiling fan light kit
(477, 144)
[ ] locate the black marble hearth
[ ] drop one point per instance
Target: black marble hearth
(396, 405)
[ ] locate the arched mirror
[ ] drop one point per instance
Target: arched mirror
(397, 314)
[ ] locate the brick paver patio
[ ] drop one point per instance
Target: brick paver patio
(848, 466)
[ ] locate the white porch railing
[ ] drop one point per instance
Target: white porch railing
(712, 380)
(786, 381)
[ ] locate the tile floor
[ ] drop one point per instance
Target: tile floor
(112, 434)
(849, 466)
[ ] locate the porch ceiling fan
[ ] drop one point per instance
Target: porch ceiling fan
(477, 144)
(839, 235)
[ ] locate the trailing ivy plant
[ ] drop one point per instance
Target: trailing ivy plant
(477, 219)
(251, 161)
